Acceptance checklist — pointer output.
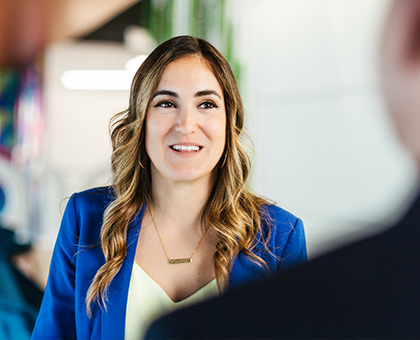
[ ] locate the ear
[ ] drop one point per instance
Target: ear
(400, 70)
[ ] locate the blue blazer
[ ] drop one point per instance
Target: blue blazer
(77, 257)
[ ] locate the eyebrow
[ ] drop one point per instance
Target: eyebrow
(174, 94)
(206, 93)
(165, 93)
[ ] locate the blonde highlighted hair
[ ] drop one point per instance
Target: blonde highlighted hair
(233, 211)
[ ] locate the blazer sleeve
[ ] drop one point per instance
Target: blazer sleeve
(294, 251)
(56, 318)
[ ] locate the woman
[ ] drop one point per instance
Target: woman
(179, 223)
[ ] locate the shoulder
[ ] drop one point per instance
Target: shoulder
(284, 230)
(83, 217)
(96, 193)
(276, 216)
(96, 198)
(87, 207)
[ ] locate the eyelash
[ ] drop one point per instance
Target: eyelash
(167, 104)
(207, 103)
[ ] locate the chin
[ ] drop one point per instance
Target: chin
(188, 178)
(191, 176)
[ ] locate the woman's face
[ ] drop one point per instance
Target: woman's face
(186, 122)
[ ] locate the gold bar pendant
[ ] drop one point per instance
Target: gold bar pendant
(178, 261)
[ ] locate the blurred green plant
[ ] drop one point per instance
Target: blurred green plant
(206, 19)
(9, 84)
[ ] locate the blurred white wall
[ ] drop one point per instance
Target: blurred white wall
(324, 148)
(78, 147)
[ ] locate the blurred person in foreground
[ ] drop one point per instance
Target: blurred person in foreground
(369, 289)
(179, 223)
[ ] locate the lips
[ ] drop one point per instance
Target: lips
(187, 148)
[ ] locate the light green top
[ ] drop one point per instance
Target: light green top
(147, 301)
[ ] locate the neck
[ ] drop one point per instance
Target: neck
(181, 203)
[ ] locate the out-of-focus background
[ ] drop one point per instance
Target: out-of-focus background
(308, 74)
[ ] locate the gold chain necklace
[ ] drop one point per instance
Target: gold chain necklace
(181, 260)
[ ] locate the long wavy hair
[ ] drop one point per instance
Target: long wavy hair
(233, 211)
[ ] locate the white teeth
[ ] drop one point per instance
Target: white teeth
(185, 148)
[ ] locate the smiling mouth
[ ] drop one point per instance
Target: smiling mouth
(189, 148)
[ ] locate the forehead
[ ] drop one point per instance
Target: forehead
(190, 70)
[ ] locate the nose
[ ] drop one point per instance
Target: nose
(187, 121)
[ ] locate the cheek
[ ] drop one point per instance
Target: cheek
(219, 131)
(223, 126)
(155, 128)
(152, 134)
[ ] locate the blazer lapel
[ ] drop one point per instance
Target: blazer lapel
(113, 321)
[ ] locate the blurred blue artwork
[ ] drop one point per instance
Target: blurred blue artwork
(2, 198)
(20, 298)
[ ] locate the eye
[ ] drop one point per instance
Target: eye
(207, 105)
(165, 104)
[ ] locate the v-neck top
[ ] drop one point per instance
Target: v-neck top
(147, 301)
